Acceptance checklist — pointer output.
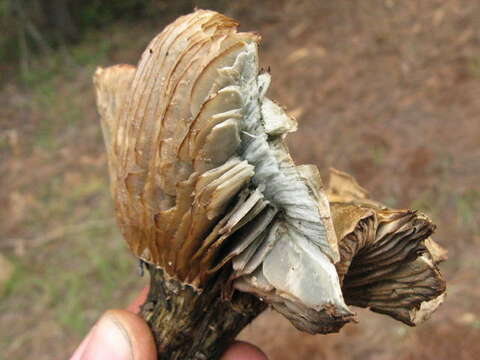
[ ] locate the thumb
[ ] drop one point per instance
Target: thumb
(240, 350)
(118, 335)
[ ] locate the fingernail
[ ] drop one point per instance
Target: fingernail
(109, 340)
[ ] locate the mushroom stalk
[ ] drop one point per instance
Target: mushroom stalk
(188, 324)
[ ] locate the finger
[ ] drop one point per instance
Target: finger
(77, 355)
(138, 301)
(133, 307)
(243, 351)
(120, 335)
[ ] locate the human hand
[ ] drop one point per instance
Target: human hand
(123, 335)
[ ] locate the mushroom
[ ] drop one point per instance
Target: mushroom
(388, 259)
(209, 199)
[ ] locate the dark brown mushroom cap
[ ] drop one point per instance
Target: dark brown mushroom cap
(388, 260)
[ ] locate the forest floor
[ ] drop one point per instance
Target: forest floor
(385, 90)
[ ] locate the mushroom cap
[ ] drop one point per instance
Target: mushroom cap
(202, 178)
(388, 259)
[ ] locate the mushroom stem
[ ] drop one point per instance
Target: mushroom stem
(192, 324)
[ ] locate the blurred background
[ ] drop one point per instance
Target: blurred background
(386, 90)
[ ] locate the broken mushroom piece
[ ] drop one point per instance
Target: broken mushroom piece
(208, 197)
(388, 261)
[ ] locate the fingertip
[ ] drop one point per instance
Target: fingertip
(78, 354)
(118, 335)
(243, 351)
(138, 333)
